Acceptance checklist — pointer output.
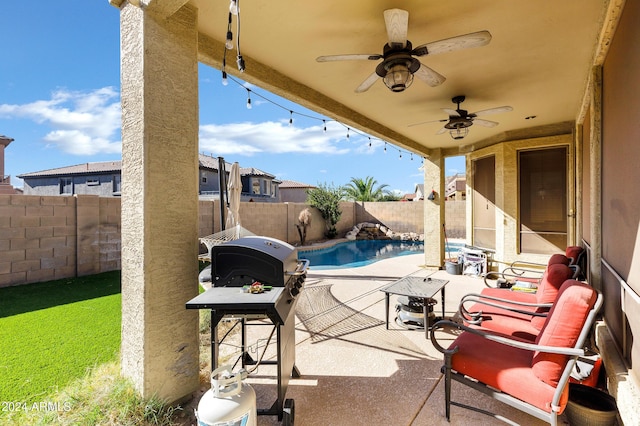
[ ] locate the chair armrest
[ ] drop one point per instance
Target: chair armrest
(496, 302)
(444, 324)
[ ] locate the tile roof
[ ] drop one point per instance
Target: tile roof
(294, 184)
(78, 169)
(204, 161)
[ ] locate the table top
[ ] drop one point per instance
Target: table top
(424, 287)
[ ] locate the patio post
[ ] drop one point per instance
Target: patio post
(434, 209)
(159, 95)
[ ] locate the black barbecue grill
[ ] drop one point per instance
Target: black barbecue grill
(237, 265)
(269, 261)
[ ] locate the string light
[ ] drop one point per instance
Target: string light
(225, 79)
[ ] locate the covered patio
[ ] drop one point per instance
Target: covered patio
(353, 370)
(556, 171)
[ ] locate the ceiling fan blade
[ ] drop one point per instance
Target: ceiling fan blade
(397, 23)
(427, 122)
(451, 112)
(466, 41)
(441, 131)
(365, 85)
(485, 123)
(493, 110)
(429, 76)
(355, 57)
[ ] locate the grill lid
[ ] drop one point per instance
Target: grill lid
(254, 258)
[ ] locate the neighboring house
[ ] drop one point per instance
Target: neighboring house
(104, 179)
(259, 186)
(101, 179)
(294, 192)
(456, 187)
(409, 197)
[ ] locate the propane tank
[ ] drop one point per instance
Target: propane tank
(229, 402)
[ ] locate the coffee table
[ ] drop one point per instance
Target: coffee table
(419, 287)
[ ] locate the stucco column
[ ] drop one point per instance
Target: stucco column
(434, 210)
(159, 76)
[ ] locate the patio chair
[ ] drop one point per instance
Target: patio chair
(518, 275)
(515, 313)
(522, 270)
(531, 377)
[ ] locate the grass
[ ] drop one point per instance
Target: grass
(59, 357)
(53, 332)
(101, 397)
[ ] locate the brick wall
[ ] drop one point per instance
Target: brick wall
(44, 238)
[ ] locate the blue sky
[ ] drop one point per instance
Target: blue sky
(60, 102)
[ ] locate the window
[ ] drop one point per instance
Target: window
(255, 184)
(204, 179)
(66, 186)
(93, 182)
(116, 183)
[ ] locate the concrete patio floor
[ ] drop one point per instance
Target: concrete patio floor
(356, 372)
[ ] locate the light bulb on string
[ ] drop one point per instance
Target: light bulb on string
(324, 125)
(400, 153)
(233, 7)
(248, 99)
(411, 156)
(290, 118)
(385, 147)
(369, 142)
(228, 44)
(224, 78)
(348, 132)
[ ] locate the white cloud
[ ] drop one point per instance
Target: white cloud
(272, 137)
(83, 123)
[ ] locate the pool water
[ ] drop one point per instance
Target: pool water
(353, 254)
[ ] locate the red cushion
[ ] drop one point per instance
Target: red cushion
(562, 328)
(503, 367)
(573, 252)
(559, 258)
(554, 276)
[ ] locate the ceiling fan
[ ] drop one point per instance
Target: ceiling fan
(399, 63)
(460, 120)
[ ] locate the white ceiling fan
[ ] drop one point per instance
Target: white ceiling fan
(399, 63)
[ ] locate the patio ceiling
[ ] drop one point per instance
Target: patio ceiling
(537, 62)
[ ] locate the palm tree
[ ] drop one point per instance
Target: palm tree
(365, 190)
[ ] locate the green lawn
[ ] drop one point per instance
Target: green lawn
(52, 333)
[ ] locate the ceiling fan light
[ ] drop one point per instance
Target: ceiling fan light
(459, 132)
(398, 78)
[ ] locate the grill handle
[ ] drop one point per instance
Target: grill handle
(301, 269)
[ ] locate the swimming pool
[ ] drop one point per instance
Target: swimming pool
(353, 254)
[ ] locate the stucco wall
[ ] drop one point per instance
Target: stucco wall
(44, 238)
(47, 238)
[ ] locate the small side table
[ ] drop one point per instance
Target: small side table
(419, 287)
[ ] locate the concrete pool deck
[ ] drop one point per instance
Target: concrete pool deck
(356, 372)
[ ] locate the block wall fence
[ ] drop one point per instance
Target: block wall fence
(45, 238)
